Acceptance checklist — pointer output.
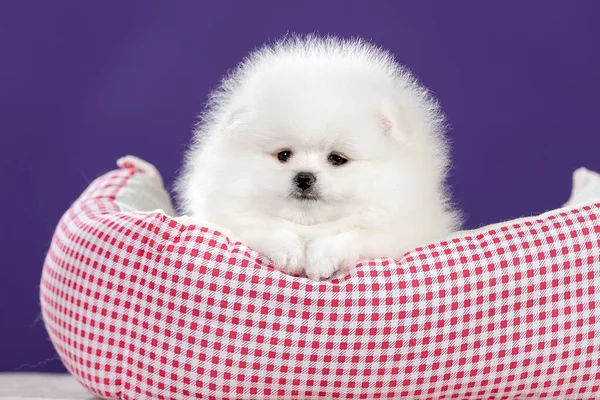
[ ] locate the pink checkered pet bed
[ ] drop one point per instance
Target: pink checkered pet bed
(142, 305)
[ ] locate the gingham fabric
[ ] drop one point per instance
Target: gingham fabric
(140, 305)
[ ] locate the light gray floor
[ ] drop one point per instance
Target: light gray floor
(31, 386)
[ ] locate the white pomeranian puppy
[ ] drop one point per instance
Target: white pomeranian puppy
(319, 153)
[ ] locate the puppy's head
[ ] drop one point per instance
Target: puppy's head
(310, 130)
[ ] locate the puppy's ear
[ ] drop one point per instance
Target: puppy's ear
(233, 117)
(393, 122)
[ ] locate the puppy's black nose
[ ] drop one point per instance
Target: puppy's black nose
(305, 180)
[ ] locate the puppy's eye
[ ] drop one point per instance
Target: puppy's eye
(336, 159)
(284, 155)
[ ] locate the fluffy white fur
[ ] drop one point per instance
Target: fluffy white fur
(314, 97)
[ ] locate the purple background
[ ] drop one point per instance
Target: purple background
(82, 83)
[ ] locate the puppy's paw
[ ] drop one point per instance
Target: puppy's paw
(327, 255)
(283, 247)
(287, 252)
